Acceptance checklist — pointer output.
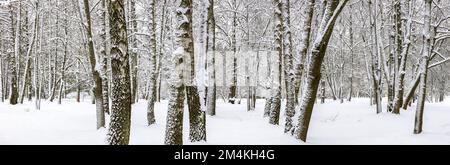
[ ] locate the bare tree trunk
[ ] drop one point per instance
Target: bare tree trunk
(27, 73)
(289, 72)
(376, 59)
(119, 128)
(153, 72)
(322, 89)
(183, 43)
(97, 89)
(63, 66)
(233, 89)
(350, 93)
(197, 116)
(2, 89)
(276, 85)
(104, 56)
(14, 94)
(211, 49)
(304, 45)
(133, 53)
(398, 102)
(333, 9)
(161, 51)
(427, 38)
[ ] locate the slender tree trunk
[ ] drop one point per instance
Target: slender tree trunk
(323, 91)
(304, 45)
(97, 89)
(211, 50)
(197, 117)
(376, 66)
(161, 51)
(133, 53)
(350, 94)
(427, 38)
(233, 89)
(27, 73)
(399, 100)
(14, 91)
(104, 56)
(63, 66)
(153, 72)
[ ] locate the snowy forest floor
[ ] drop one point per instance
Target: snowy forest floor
(332, 123)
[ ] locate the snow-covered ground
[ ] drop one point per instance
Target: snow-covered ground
(332, 123)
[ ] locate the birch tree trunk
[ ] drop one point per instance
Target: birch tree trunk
(197, 116)
(233, 89)
(153, 62)
(427, 38)
(332, 11)
(183, 43)
(304, 44)
(104, 56)
(133, 53)
(276, 85)
(289, 72)
(399, 94)
(375, 66)
(97, 89)
(28, 60)
(14, 91)
(119, 127)
(211, 50)
(63, 66)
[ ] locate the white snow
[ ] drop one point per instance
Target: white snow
(332, 123)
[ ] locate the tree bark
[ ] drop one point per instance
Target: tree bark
(14, 91)
(182, 52)
(119, 127)
(427, 38)
(276, 85)
(197, 118)
(97, 89)
(211, 49)
(153, 72)
(333, 9)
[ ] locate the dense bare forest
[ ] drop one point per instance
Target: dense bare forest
(191, 61)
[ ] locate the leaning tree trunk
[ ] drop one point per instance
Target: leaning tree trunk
(97, 89)
(333, 9)
(27, 73)
(153, 71)
(424, 68)
(304, 45)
